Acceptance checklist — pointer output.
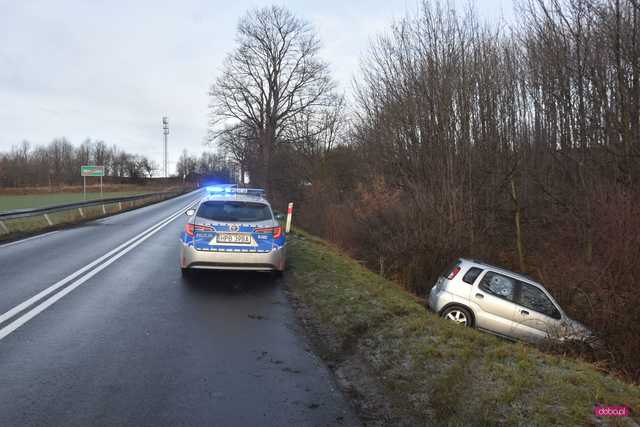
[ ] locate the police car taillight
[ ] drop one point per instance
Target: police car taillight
(190, 228)
(277, 231)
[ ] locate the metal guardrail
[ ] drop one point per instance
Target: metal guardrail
(45, 211)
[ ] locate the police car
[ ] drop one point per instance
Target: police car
(233, 229)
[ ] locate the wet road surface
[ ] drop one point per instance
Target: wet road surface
(124, 339)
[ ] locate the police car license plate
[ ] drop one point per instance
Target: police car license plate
(239, 238)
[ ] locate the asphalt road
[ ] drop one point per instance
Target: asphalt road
(123, 339)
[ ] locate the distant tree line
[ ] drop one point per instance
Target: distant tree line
(208, 168)
(519, 145)
(58, 163)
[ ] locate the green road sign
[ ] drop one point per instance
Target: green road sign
(92, 170)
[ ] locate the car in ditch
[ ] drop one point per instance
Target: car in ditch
(504, 303)
(233, 229)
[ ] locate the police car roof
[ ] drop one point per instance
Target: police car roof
(234, 197)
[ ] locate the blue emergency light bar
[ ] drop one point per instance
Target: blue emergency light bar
(232, 189)
(219, 189)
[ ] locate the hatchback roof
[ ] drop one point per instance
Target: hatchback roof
(497, 269)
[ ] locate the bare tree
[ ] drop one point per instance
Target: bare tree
(269, 80)
(239, 143)
(187, 165)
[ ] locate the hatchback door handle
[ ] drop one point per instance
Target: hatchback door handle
(524, 312)
(479, 296)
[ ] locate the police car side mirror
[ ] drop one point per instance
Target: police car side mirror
(279, 216)
(190, 212)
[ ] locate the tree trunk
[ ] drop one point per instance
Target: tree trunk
(267, 151)
(517, 218)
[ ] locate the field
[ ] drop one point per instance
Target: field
(25, 198)
(12, 202)
(35, 197)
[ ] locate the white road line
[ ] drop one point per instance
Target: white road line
(52, 300)
(17, 242)
(124, 247)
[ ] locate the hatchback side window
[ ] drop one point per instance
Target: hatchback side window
(472, 275)
(498, 285)
(532, 297)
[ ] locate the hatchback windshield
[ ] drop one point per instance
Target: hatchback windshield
(234, 211)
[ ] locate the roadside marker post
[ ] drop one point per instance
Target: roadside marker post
(4, 228)
(289, 215)
(48, 220)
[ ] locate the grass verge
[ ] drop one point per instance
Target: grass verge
(426, 371)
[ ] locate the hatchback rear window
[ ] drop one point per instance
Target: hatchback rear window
(233, 211)
(447, 271)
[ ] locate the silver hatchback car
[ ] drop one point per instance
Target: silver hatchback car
(501, 302)
(233, 229)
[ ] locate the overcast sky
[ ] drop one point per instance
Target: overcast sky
(110, 70)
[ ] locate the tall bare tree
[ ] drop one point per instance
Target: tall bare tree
(271, 78)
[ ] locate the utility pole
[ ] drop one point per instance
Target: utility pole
(165, 131)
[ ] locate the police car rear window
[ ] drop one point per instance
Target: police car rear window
(233, 211)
